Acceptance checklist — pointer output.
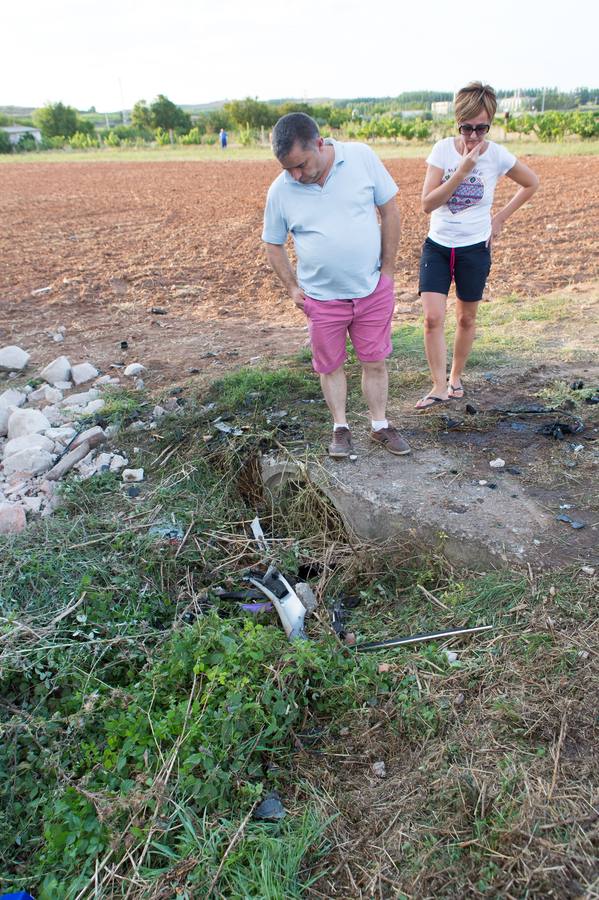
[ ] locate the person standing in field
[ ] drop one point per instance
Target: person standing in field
(327, 198)
(223, 139)
(458, 192)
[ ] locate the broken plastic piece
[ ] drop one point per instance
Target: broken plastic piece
(271, 809)
(288, 605)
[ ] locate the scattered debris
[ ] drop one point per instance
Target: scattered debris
(419, 638)
(288, 605)
(593, 399)
(227, 429)
(270, 809)
(450, 656)
(379, 769)
(569, 521)
(159, 310)
(577, 385)
(174, 534)
(471, 410)
(558, 429)
(588, 570)
(497, 463)
(130, 475)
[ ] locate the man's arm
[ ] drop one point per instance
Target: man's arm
(276, 254)
(390, 234)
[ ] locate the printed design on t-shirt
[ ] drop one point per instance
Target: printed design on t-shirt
(470, 192)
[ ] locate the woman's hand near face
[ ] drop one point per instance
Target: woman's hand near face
(470, 158)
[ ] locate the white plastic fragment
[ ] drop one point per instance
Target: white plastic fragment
(497, 463)
(131, 475)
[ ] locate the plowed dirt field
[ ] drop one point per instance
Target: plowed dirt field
(112, 240)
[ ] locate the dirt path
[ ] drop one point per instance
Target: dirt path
(113, 240)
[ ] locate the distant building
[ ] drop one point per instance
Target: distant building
(412, 113)
(442, 109)
(517, 103)
(16, 132)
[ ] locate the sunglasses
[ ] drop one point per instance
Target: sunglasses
(468, 129)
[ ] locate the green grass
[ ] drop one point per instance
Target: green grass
(148, 721)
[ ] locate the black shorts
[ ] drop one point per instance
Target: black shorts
(469, 266)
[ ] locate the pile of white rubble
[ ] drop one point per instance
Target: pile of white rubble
(42, 439)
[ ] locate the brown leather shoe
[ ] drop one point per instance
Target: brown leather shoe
(341, 445)
(391, 440)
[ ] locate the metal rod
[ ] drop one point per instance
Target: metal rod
(417, 638)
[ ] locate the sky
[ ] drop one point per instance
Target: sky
(111, 53)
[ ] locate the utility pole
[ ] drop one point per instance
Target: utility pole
(543, 102)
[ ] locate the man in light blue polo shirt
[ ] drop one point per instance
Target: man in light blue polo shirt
(327, 197)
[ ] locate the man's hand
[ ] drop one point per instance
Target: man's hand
(298, 297)
(469, 159)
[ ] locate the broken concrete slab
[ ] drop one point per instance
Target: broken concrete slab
(430, 500)
(94, 437)
(67, 462)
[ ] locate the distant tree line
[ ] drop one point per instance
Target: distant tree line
(406, 117)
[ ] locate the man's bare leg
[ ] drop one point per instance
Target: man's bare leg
(375, 387)
(334, 388)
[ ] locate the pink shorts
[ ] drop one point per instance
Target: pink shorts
(367, 320)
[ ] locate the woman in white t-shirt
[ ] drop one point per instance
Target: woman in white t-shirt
(458, 192)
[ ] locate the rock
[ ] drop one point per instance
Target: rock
(130, 475)
(12, 518)
(67, 462)
(58, 370)
(26, 421)
(94, 406)
(118, 462)
(30, 461)
(134, 369)
(497, 463)
(12, 398)
(61, 435)
(9, 400)
(46, 393)
(83, 372)
(58, 337)
(32, 504)
(13, 359)
(111, 431)
(102, 462)
(106, 379)
(139, 384)
(63, 385)
(80, 399)
(379, 769)
(588, 570)
(459, 699)
(158, 412)
(53, 415)
(28, 442)
(94, 437)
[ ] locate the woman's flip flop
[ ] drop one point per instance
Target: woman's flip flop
(428, 401)
(455, 393)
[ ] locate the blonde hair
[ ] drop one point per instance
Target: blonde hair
(472, 100)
